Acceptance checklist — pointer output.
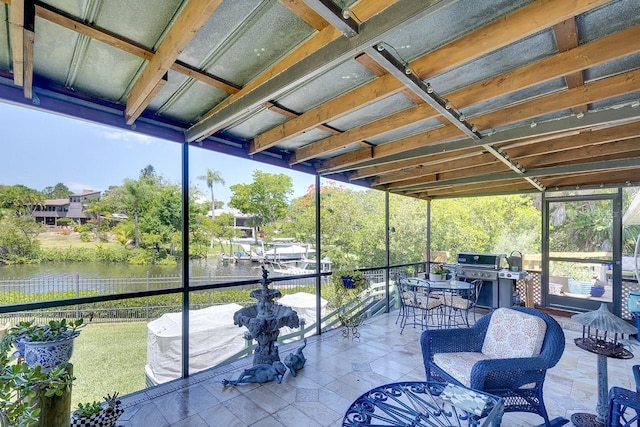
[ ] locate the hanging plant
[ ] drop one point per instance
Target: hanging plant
(348, 286)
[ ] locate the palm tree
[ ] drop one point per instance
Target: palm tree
(212, 177)
(134, 193)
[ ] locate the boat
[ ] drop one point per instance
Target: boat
(247, 254)
(298, 267)
(285, 249)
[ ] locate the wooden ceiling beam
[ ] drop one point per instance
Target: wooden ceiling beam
(28, 40)
(364, 9)
(480, 159)
(16, 34)
(350, 160)
(526, 21)
(307, 14)
(600, 51)
(430, 159)
(597, 52)
(191, 19)
(292, 115)
(485, 168)
(348, 102)
(370, 64)
(72, 23)
(605, 151)
(376, 128)
(581, 139)
(506, 186)
(598, 90)
(566, 35)
(595, 178)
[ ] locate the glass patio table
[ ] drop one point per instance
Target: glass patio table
(419, 403)
(447, 289)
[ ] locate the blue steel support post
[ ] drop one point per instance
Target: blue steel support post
(185, 259)
(387, 257)
(318, 261)
(427, 266)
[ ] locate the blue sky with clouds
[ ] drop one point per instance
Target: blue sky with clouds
(40, 149)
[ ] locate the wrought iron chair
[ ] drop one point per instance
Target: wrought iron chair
(467, 356)
(416, 303)
(460, 303)
(624, 404)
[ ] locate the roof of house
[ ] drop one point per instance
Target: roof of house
(56, 202)
(85, 193)
(424, 98)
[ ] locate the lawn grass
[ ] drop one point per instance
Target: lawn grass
(108, 357)
(59, 240)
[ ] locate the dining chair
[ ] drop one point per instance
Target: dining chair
(460, 303)
(405, 296)
(416, 305)
(624, 404)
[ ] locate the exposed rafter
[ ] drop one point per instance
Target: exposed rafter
(566, 34)
(192, 17)
(28, 41)
(595, 91)
(376, 29)
(404, 73)
(16, 32)
(341, 19)
(608, 48)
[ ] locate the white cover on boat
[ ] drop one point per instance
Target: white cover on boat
(305, 305)
(212, 338)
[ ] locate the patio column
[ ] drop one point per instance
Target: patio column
(386, 243)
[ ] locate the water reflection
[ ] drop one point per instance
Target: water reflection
(96, 270)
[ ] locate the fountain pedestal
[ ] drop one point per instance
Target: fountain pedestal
(264, 320)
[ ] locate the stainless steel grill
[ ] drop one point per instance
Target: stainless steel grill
(498, 287)
(479, 266)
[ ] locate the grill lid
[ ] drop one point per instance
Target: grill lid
(467, 259)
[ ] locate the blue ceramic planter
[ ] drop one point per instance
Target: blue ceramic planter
(48, 354)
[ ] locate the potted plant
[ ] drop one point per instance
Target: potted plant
(438, 273)
(348, 286)
(597, 287)
(31, 397)
(49, 345)
(98, 414)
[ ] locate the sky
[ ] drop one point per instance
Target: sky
(41, 149)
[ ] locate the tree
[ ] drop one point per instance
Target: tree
(211, 178)
(266, 199)
(59, 191)
(21, 199)
(97, 208)
(18, 239)
(134, 193)
(148, 172)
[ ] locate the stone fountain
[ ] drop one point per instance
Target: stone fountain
(264, 320)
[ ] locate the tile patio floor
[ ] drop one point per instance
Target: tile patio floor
(337, 371)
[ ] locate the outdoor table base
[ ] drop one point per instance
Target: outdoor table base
(424, 404)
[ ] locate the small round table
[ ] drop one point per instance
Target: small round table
(603, 350)
(418, 403)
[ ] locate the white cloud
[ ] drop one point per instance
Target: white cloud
(78, 187)
(125, 136)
